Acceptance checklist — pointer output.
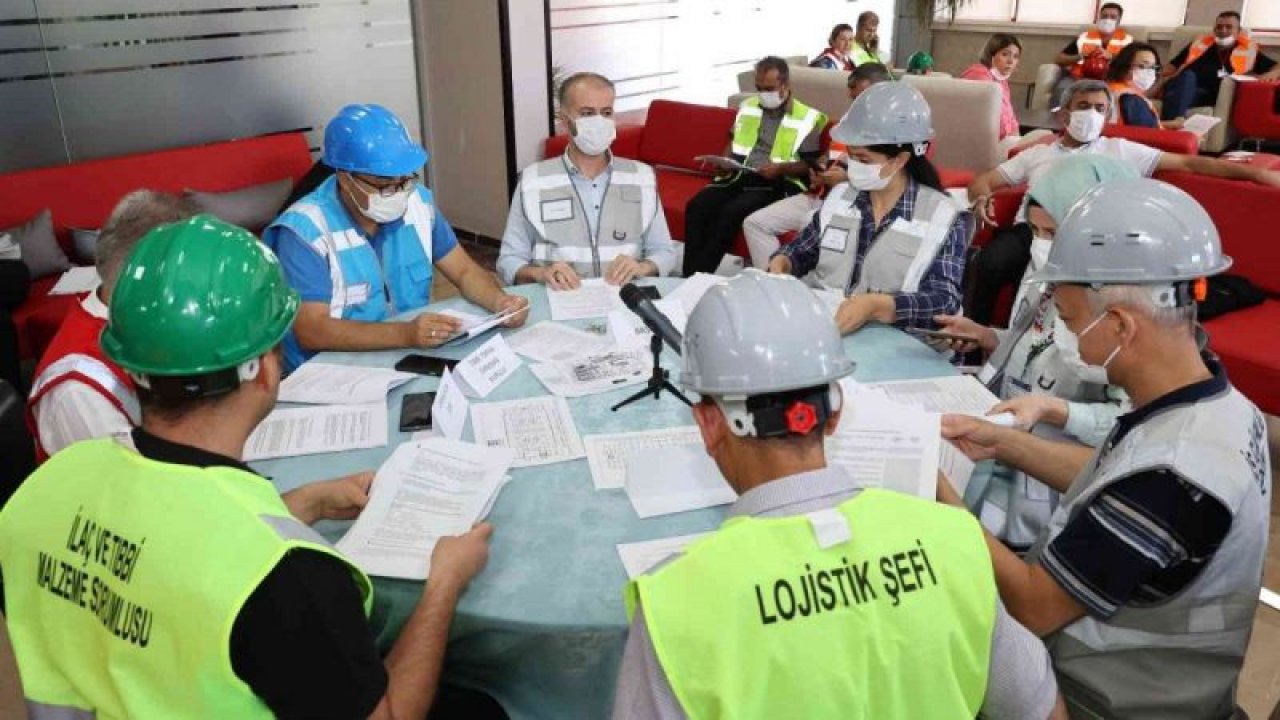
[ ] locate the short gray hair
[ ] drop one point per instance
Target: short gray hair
(134, 216)
(1143, 298)
(562, 93)
(1081, 87)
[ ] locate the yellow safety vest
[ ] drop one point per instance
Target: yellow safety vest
(796, 125)
(124, 577)
(881, 608)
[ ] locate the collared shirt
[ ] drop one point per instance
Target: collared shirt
(1020, 682)
(72, 411)
(520, 236)
(940, 288)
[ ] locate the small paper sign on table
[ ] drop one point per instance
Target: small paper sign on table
(487, 367)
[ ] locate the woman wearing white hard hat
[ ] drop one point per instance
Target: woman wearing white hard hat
(889, 239)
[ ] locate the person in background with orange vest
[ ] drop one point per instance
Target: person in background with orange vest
(1196, 73)
(1132, 77)
(1105, 40)
(762, 227)
(78, 393)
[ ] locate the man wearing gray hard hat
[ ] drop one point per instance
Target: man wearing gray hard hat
(814, 597)
(1145, 581)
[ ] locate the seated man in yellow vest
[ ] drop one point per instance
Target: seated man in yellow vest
(587, 213)
(155, 575)
(775, 135)
(1195, 74)
(814, 599)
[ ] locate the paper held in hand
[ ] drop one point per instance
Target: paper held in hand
(476, 325)
(595, 298)
(426, 490)
(720, 162)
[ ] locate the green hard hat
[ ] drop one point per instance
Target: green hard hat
(919, 61)
(196, 297)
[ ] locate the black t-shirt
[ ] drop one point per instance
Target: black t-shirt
(301, 640)
(1073, 47)
(1212, 61)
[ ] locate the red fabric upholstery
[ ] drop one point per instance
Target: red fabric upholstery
(83, 194)
(956, 178)
(1171, 141)
(674, 190)
(676, 132)
(1006, 201)
(1247, 343)
(1254, 113)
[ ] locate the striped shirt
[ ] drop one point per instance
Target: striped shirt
(940, 288)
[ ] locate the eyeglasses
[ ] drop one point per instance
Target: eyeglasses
(397, 185)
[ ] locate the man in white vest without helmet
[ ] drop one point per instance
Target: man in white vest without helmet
(1145, 581)
(586, 213)
(793, 607)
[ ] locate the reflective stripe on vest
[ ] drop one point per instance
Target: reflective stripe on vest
(124, 577)
(794, 127)
(94, 370)
(1135, 664)
(45, 711)
(628, 209)
(1243, 55)
(880, 608)
(899, 257)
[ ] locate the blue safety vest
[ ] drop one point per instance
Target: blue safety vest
(368, 285)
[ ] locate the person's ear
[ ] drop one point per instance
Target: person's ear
(1126, 324)
(711, 424)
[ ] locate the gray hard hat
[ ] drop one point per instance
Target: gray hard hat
(758, 334)
(1134, 232)
(887, 113)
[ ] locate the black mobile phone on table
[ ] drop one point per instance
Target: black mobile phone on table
(425, 365)
(415, 411)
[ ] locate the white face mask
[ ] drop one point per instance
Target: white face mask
(866, 176)
(595, 133)
(383, 210)
(771, 100)
(1225, 42)
(999, 75)
(1086, 125)
(1107, 26)
(1144, 78)
(1040, 247)
(1068, 345)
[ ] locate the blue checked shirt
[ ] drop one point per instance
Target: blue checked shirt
(940, 289)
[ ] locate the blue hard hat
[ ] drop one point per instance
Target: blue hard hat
(370, 139)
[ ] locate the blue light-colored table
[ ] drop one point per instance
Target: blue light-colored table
(543, 627)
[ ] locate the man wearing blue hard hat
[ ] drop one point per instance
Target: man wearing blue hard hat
(361, 247)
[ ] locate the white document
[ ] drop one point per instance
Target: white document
(1200, 124)
(553, 342)
(593, 374)
(318, 429)
(488, 366)
(675, 479)
(608, 454)
(1269, 598)
(595, 298)
(449, 411)
(76, 280)
(1243, 78)
(896, 450)
(640, 557)
(830, 299)
(426, 490)
(476, 325)
(324, 384)
(629, 331)
(693, 288)
(960, 394)
(540, 430)
(956, 466)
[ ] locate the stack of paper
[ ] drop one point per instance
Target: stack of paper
(323, 384)
(426, 490)
(608, 454)
(640, 557)
(673, 479)
(594, 298)
(539, 431)
(692, 290)
(319, 429)
(597, 373)
(553, 342)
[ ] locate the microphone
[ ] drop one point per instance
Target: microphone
(639, 303)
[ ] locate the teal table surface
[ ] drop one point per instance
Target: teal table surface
(543, 626)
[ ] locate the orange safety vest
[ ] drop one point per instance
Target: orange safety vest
(1119, 89)
(1090, 42)
(1243, 55)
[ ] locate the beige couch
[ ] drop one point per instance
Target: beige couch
(966, 113)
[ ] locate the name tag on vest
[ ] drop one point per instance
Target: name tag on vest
(835, 239)
(556, 210)
(357, 294)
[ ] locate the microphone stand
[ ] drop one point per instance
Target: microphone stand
(658, 381)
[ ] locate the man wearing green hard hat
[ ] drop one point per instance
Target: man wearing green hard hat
(155, 574)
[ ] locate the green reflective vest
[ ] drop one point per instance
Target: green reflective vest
(796, 125)
(124, 576)
(881, 608)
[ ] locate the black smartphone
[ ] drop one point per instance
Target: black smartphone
(425, 365)
(415, 411)
(940, 335)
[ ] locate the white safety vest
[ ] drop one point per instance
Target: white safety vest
(897, 260)
(558, 215)
(1180, 658)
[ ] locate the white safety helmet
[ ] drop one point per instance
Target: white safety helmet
(760, 335)
(887, 113)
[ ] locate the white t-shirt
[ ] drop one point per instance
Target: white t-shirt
(1028, 165)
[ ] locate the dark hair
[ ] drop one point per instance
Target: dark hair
(773, 62)
(562, 93)
(835, 33)
(998, 42)
(919, 167)
(863, 17)
(1111, 6)
(869, 72)
(1230, 13)
(1122, 63)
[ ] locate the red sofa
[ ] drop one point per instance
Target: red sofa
(82, 195)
